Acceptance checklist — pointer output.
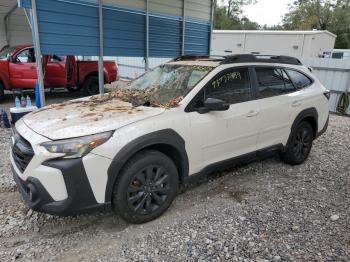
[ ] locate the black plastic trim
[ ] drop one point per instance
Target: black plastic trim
(163, 137)
(324, 129)
(309, 112)
(80, 196)
(232, 162)
(251, 58)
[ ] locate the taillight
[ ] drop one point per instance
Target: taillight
(327, 94)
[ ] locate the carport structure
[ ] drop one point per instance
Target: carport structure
(134, 28)
(14, 26)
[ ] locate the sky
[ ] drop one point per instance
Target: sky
(267, 12)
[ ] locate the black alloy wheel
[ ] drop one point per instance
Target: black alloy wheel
(146, 187)
(148, 190)
(302, 143)
(299, 144)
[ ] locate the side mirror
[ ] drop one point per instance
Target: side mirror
(213, 104)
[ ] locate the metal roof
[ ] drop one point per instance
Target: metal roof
(14, 26)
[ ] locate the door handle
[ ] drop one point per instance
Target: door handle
(252, 113)
(296, 103)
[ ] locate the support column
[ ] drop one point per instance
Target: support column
(101, 80)
(147, 37)
(39, 65)
(212, 9)
(183, 27)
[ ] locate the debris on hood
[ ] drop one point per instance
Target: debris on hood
(153, 97)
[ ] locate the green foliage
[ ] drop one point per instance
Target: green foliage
(331, 15)
(227, 17)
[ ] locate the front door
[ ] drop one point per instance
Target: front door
(221, 135)
(22, 69)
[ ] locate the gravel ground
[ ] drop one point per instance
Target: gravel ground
(264, 211)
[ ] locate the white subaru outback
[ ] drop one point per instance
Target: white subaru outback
(131, 149)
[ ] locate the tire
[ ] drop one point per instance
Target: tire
(2, 92)
(146, 187)
(91, 85)
(299, 144)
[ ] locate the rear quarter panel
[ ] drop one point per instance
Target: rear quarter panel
(87, 68)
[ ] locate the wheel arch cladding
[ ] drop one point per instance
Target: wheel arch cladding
(166, 141)
(309, 115)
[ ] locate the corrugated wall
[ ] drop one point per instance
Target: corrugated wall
(71, 27)
(334, 74)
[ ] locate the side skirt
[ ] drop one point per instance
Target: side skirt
(232, 162)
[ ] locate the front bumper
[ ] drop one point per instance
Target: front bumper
(80, 196)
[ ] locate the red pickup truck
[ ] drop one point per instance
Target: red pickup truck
(18, 71)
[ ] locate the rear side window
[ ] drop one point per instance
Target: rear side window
(273, 82)
(300, 80)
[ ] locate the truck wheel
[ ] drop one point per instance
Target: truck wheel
(146, 187)
(299, 144)
(91, 85)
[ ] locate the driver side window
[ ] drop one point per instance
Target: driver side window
(26, 56)
(232, 86)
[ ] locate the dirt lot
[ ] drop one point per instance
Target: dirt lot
(264, 211)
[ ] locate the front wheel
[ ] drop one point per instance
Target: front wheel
(146, 187)
(299, 144)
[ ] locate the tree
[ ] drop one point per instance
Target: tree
(331, 15)
(228, 16)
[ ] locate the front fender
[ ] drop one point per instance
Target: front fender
(163, 137)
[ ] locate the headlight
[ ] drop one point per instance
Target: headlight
(77, 147)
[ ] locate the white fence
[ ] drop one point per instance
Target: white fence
(333, 73)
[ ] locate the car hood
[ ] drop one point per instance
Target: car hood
(86, 116)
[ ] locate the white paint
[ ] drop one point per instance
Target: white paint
(291, 43)
(209, 138)
(96, 170)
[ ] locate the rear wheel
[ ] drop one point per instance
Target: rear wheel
(2, 92)
(146, 187)
(299, 144)
(91, 85)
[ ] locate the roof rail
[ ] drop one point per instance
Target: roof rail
(246, 58)
(190, 57)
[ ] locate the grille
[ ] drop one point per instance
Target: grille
(22, 151)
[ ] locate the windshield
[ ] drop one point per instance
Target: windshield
(5, 53)
(166, 85)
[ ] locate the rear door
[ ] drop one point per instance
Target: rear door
(23, 72)
(278, 102)
(221, 135)
(56, 71)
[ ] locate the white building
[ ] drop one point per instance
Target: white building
(292, 43)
